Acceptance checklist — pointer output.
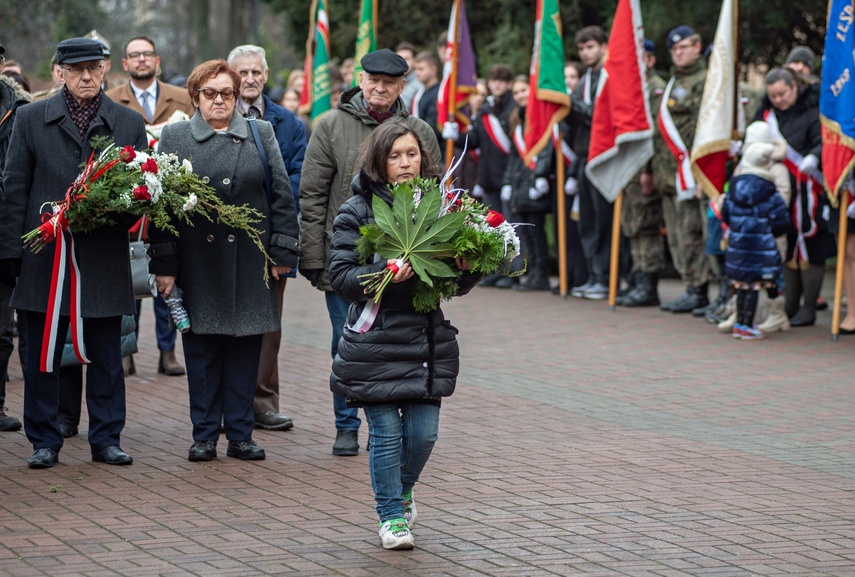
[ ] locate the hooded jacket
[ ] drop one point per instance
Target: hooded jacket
(754, 211)
(406, 356)
(329, 166)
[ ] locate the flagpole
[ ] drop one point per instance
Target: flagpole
(614, 274)
(306, 94)
(561, 215)
(736, 102)
(843, 195)
(452, 84)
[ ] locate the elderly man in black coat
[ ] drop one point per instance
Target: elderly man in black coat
(49, 142)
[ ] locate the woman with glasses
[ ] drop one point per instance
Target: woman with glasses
(219, 269)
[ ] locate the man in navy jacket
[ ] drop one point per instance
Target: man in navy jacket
(251, 63)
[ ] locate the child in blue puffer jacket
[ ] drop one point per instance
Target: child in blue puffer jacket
(756, 214)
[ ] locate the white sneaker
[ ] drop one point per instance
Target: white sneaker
(579, 291)
(410, 513)
(394, 534)
(596, 292)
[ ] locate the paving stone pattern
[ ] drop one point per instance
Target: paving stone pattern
(579, 442)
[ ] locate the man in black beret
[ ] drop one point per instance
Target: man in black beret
(685, 219)
(328, 168)
(50, 140)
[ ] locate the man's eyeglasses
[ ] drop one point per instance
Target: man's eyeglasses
(147, 54)
(92, 69)
(211, 94)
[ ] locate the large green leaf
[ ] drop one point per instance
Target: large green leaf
(414, 234)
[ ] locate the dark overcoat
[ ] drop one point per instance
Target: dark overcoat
(219, 268)
(45, 156)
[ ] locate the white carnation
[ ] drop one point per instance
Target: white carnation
(192, 200)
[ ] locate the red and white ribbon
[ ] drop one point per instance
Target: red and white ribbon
(493, 127)
(369, 312)
(50, 339)
(808, 189)
(685, 181)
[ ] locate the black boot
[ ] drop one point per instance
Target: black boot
(718, 302)
(694, 297)
(535, 281)
(812, 284)
(645, 293)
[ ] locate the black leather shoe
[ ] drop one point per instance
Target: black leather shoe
(273, 421)
(68, 430)
(7, 422)
(203, 451)
(245, 451)
(346, 444)
(112, 455)
(43, 459)
(798, 321)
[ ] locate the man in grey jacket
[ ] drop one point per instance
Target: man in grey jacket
(328, 169)
(50, 140)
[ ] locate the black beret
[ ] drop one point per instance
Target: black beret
(678, 34)
(384, 61)
(76, 50)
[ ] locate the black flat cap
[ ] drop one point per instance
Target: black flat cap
(384, 61)
(76, 50)
(678, 34)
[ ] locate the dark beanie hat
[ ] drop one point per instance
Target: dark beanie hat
(802, 54)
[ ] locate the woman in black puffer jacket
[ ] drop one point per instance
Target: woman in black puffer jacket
(399, 366)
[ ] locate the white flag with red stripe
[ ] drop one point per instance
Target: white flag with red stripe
(714, 130)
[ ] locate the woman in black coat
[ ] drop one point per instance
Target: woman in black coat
(398, 368)
(219, 269)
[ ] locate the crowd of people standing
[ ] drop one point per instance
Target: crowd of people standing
(771, 234)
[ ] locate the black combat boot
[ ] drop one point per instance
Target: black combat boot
(645, 293)
(694, 297)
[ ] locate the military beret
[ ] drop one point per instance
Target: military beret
(678, 34)
(802, 54)
(649, 46)
(384, 61)
(76, 50)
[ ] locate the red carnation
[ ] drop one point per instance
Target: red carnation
(494, 218)
(149, 166)
(127, 154)
(152, 143)
(141, 192)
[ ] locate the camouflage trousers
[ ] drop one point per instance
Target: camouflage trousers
(686, 223)
(641, 221)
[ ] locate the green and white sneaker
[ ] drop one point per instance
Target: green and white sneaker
(394, 534)
(410, 513)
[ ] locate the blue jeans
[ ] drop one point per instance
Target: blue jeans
(346, 418)
(402, 439)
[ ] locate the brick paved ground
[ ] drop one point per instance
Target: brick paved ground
(580, 442)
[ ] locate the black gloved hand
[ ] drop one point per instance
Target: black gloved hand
(10, 268)
(313, 274)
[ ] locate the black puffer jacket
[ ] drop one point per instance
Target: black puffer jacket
(406, 356)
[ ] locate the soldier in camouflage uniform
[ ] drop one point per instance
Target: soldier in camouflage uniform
(641, 215)
(685, 217)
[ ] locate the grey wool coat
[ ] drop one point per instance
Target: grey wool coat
(219, 268)
(45, 156)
